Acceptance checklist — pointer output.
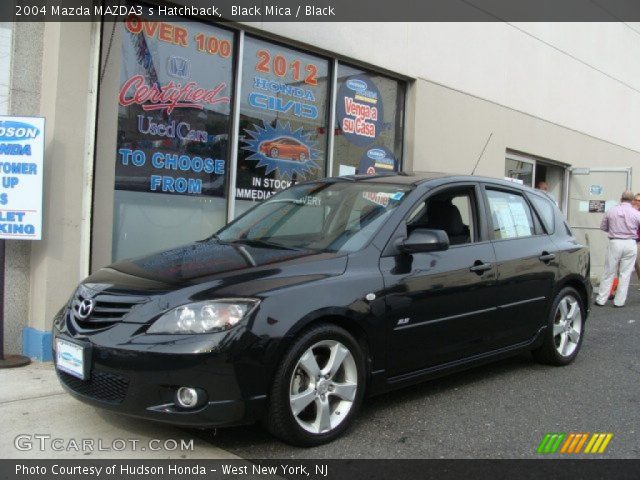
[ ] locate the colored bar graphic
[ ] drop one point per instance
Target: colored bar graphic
(572, 443)
(598, 443)
(582, 442)
(550, 442)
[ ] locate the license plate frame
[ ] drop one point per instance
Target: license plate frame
(72, 358)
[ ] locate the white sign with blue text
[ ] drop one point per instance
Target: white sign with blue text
(21, 165)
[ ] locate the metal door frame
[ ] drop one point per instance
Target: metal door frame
(587, 171)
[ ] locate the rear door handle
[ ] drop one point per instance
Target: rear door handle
(547, 257)
(480, 267)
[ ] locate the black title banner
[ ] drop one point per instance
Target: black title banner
(295, 469)
(328, 10)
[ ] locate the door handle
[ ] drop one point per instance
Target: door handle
(480, 267)
(546, 257)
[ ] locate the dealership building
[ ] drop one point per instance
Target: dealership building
(160, 132)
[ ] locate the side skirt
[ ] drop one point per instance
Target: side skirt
(379, 383)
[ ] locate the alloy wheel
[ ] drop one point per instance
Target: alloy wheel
(567, 326)
(323, 386)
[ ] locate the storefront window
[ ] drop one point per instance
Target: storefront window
(174, 122)
(369, 123)
(283, 120)
(175, 115)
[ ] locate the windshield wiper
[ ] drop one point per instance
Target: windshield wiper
(262, 243)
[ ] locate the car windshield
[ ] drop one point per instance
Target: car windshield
(325, 216)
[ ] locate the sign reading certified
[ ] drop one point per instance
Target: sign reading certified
(21, 159)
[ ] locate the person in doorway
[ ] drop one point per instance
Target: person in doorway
(542, 185)
(621, 224)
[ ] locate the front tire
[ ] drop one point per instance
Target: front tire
(318, 387)
(565, 330)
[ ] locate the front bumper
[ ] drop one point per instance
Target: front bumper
(140, 378)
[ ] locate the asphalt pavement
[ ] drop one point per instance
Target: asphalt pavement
(497, 411)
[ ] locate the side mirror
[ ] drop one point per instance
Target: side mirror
(425, 240)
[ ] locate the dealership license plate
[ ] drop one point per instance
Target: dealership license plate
(70, 358)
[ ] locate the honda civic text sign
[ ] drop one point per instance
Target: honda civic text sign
(21, 163)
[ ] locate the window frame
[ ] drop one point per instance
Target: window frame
(101, 252)
(334, 91)
(517, 156)
(479, 211)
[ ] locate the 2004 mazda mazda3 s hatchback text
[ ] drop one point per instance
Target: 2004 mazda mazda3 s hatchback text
(324, 292)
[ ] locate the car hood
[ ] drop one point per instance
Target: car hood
(231, 269)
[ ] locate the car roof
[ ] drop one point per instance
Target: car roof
(418, 178)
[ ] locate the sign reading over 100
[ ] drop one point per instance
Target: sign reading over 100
(178, 35)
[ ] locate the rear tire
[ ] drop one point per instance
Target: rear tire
(565, 330)
(318, 387)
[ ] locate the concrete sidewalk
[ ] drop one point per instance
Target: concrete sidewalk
(32, 402)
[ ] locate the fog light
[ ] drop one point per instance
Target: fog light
(187, 397)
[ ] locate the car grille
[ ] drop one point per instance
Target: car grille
(103, 386)
(107, 308)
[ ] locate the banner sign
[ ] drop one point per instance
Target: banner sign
(359, 110)
(283, 119)
(174, 107)
(21, 164)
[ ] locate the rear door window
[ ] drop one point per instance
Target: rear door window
(510, 215)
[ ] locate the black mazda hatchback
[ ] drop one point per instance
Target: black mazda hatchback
(326, 293)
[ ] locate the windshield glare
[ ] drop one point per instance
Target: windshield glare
(325, 216)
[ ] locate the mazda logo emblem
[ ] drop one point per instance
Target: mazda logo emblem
(83, 308)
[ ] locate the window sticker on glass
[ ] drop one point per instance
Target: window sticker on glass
(174, 109)
(510, 214)
(380, 198)
(520, 219)
(283, 120)
(368, 123)
(377, 160)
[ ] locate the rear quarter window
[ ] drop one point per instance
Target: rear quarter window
(546, 211)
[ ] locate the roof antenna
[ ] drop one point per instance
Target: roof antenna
(482, 153)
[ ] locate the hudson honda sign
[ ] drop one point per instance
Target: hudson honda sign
(21, 159)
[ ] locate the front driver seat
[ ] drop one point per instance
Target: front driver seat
(446, 216)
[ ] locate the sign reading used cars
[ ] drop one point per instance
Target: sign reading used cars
(21, 164)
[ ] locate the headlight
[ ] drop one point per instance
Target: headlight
(204, 317)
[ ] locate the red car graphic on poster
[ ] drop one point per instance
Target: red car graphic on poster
(285, 148)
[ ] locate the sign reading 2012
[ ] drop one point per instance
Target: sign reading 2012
(279, 66)
(284, 97)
